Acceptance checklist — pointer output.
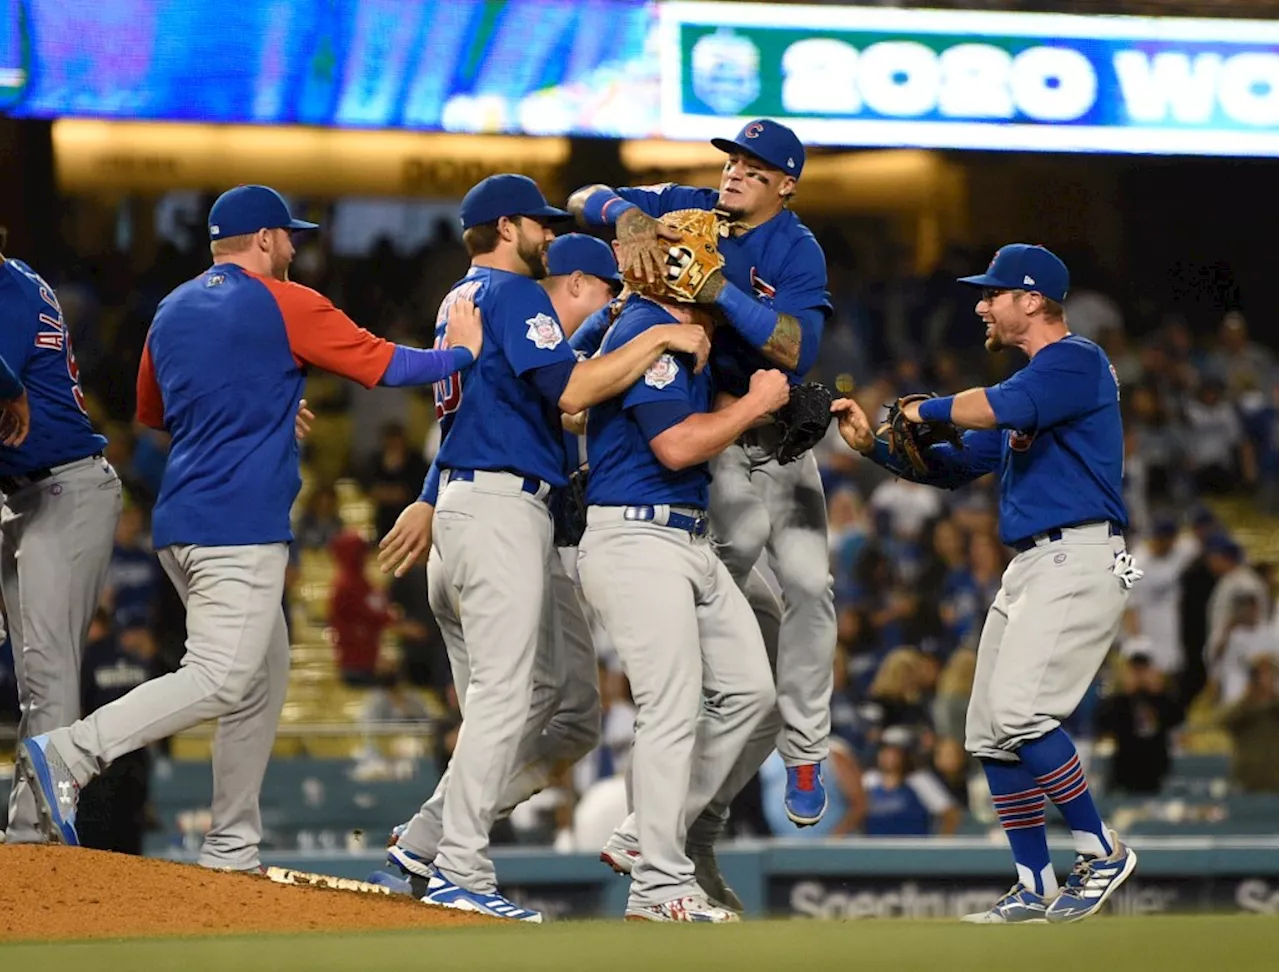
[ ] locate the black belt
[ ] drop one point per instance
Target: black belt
(1052, 536)
(527, 483)
(11, 484)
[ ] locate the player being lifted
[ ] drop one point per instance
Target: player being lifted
(1052, 433)
(772, 294)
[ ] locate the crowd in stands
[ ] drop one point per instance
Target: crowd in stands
(914, 568)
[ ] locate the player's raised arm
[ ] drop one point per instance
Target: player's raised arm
(949, 468)
(322, 335)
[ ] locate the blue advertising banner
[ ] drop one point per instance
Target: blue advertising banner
(967, 79)
(531, 66)
(841, 76)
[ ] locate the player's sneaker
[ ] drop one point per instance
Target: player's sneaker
(1091, 883)
(692, 907)
(409, 862)
(56, 791)
(620, 852)
(706, 871)
(396, 885)
(806, 799)
(396, 833)
(441, 891)
(1019, 905)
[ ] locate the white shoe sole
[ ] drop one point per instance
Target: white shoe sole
(620, 861)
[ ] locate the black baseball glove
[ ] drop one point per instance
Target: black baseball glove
(569, 510)
(803, 421)
(910, 440)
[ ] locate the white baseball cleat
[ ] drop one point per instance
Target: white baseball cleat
(620, 852)
(691, 907)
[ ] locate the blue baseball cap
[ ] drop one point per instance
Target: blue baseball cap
(1024, 266)
(507, 194)
(578, 251)
(247, 209)
(770, 142)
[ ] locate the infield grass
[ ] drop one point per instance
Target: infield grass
(1194, 943)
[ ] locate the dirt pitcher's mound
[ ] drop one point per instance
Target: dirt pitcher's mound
(51, 893)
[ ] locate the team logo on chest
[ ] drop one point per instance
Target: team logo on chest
(662, 372)
(544, 332)
(1021, 441)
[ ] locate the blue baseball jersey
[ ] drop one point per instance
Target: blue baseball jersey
(495, 417)
(624, 470)
(586, 340)
(222, 372)
(1059, 445)
(778, 262)
(37, 346)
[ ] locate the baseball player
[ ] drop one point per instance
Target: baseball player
(501, 455)
(772, 293)
(582, 276)
(222, 372)
(1052, 433)
(61, 503)
(678, 621)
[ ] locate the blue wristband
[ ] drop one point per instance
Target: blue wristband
(937, 409)
(604, 206)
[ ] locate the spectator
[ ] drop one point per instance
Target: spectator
(896, 698)
(1159, 442)
(1249, 635)
(846, 799)
(320, 521)
(1238, 363)
(1139, 718)
(133, 573)
(358, 614)
(617, 728)
(1195, 589)
(952, 764)
(987, 561)
(1235, 578)
(903, 801)
(847, 531)
(423, 658)
(1254, 725)
(1217, 452)
(1153, 605)
(951, 704)
(949, 584)
(113, 814)
(394, 478)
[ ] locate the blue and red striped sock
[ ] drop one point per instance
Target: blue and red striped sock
(1054, 762)
(1019, 804)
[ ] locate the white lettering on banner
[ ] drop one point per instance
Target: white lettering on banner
(1175, 86)
(1053, 83)
(974, 82)
(1257, 896)
(814, 900)
(899, 78)
(821, 74)
(906, 79)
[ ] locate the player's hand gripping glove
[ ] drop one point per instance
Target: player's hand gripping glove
(1126, 569)
(909, 440)
(687, 263)
(802, 422)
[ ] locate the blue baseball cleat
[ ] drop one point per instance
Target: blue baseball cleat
(441, 891)
(413, 865)
(56, 791)
(1018, 906)
(806, 798)
(392, 883)
(1091, 883)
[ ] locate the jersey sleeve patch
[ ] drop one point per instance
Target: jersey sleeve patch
(544, 332)
(662, 372)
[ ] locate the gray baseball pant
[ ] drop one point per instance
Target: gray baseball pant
(55, 546)
(235, 670)
(1046, 635)
(564, 720)
(698, 672)
(759, 505)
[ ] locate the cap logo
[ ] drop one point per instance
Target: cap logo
(791, 163)
(1028, 281)
(215, 229)
(754, 130)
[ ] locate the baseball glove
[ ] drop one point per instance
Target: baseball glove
(569, 510)
(803, 421)
(910, 440)
(689, 262)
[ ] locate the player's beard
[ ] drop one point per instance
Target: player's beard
(533, 255)
(280, 265)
